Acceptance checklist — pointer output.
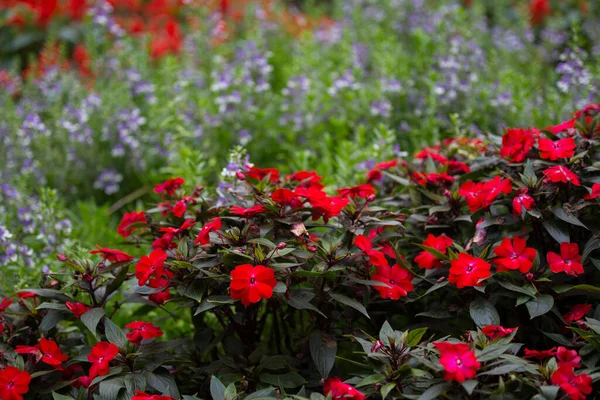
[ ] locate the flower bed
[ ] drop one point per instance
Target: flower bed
(468, 272)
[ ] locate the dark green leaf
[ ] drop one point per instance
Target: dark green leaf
(351, 303)
(217, 389)
(557, 233)
(92, 317)
(483, 313)
(323, 350)
(114, 334)
(539, 306)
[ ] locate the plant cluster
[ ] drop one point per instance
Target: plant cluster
(466, 271)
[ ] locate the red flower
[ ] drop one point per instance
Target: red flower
(145, 396)
(513, 255)
(251, 284)
(78, 309)
(327, 207)
(284, 197)
(128, 220)
(568, 357)
(46, 350)
(468, 271)
(522, 200)
(362, 191)
(553, 150)
(165, 242)
(339, 390)
(433, 153)
(375, 174)
(516, 143)
(169, 187)
(427, 260)
(4, 304)
(77, 8)
(142, 330)
(482, 195)
(569, 260)
(540, 355)
(376, 257)
(576, 313)
(595, 192)
(204, 236)
(538, 11)
(111, 255)
(458, 361)
(260, 174)
(560, 173)
(577, 387)
(13, 383)
(248, 212)
(397, 278)
(307, 179)
(26, 295)
(563, 126)
(179, 208)
(495, 331)
(160, 298)
(457, 167)
(102, 353)
(152, 265)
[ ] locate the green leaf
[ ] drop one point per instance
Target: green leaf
(469, 386)
(162, 381)
(434, 391)
(568, 218)
(114, 334)
(323, 350)
(527, 290)
(51, 294)
(414, 337)
(110, 388)
(492, 352)
(57, 396)
(371, 379)
(351, 303)
(92, 317)
(230, 392)
(539, 306)
(52, 306)
(483, 313)
(591, 245)
(286, 381)
(501, 370)
(557, 233)
(549, 392)
(194, 291)
(51, 319)
(300, 299)
(386, 389)
(217, 389)
(437, 314)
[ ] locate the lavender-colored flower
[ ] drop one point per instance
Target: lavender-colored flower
(108, 181)
(101, 14)
(343, 82)
(382, 108)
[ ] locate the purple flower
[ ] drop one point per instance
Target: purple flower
(108, 181)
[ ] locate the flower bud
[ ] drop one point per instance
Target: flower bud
(371, 197)
(281, 245)
(61, 257)
(377, 346)
(240, 176)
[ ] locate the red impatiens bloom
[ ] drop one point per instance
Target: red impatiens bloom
(179, 208)
(251, 284)
(514, 255)
(458, 361)
(152, 265)
(78, 309)
(427, 260)
(560, 173)
(522, 201)
(433, 153)
(260, 174)
(538, 11)
(516, 143)
(102, 353)
(327, 207)
(5, 303)
(568, 357)
(165, 242)
(111, 255)
(129, 219)
(167, 38)
(14, 383)
(569, 260)
(540, 354)
(468, 271)
(496, 331)
(163, 296)
(339, 390)
(46, 350)
(553, 150)
(145, 396)
(595, 192)
(169, 187)
(248, 212)
(577, 387)
(204, 236)
(482, 194)
(362, 191)
(142, 330)
(457, 167)
(26, 295)
(397, 278)
(563, 126)
(376, 257)
(307, 179)
(284, 197)
(375, 174)
(576, 313)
